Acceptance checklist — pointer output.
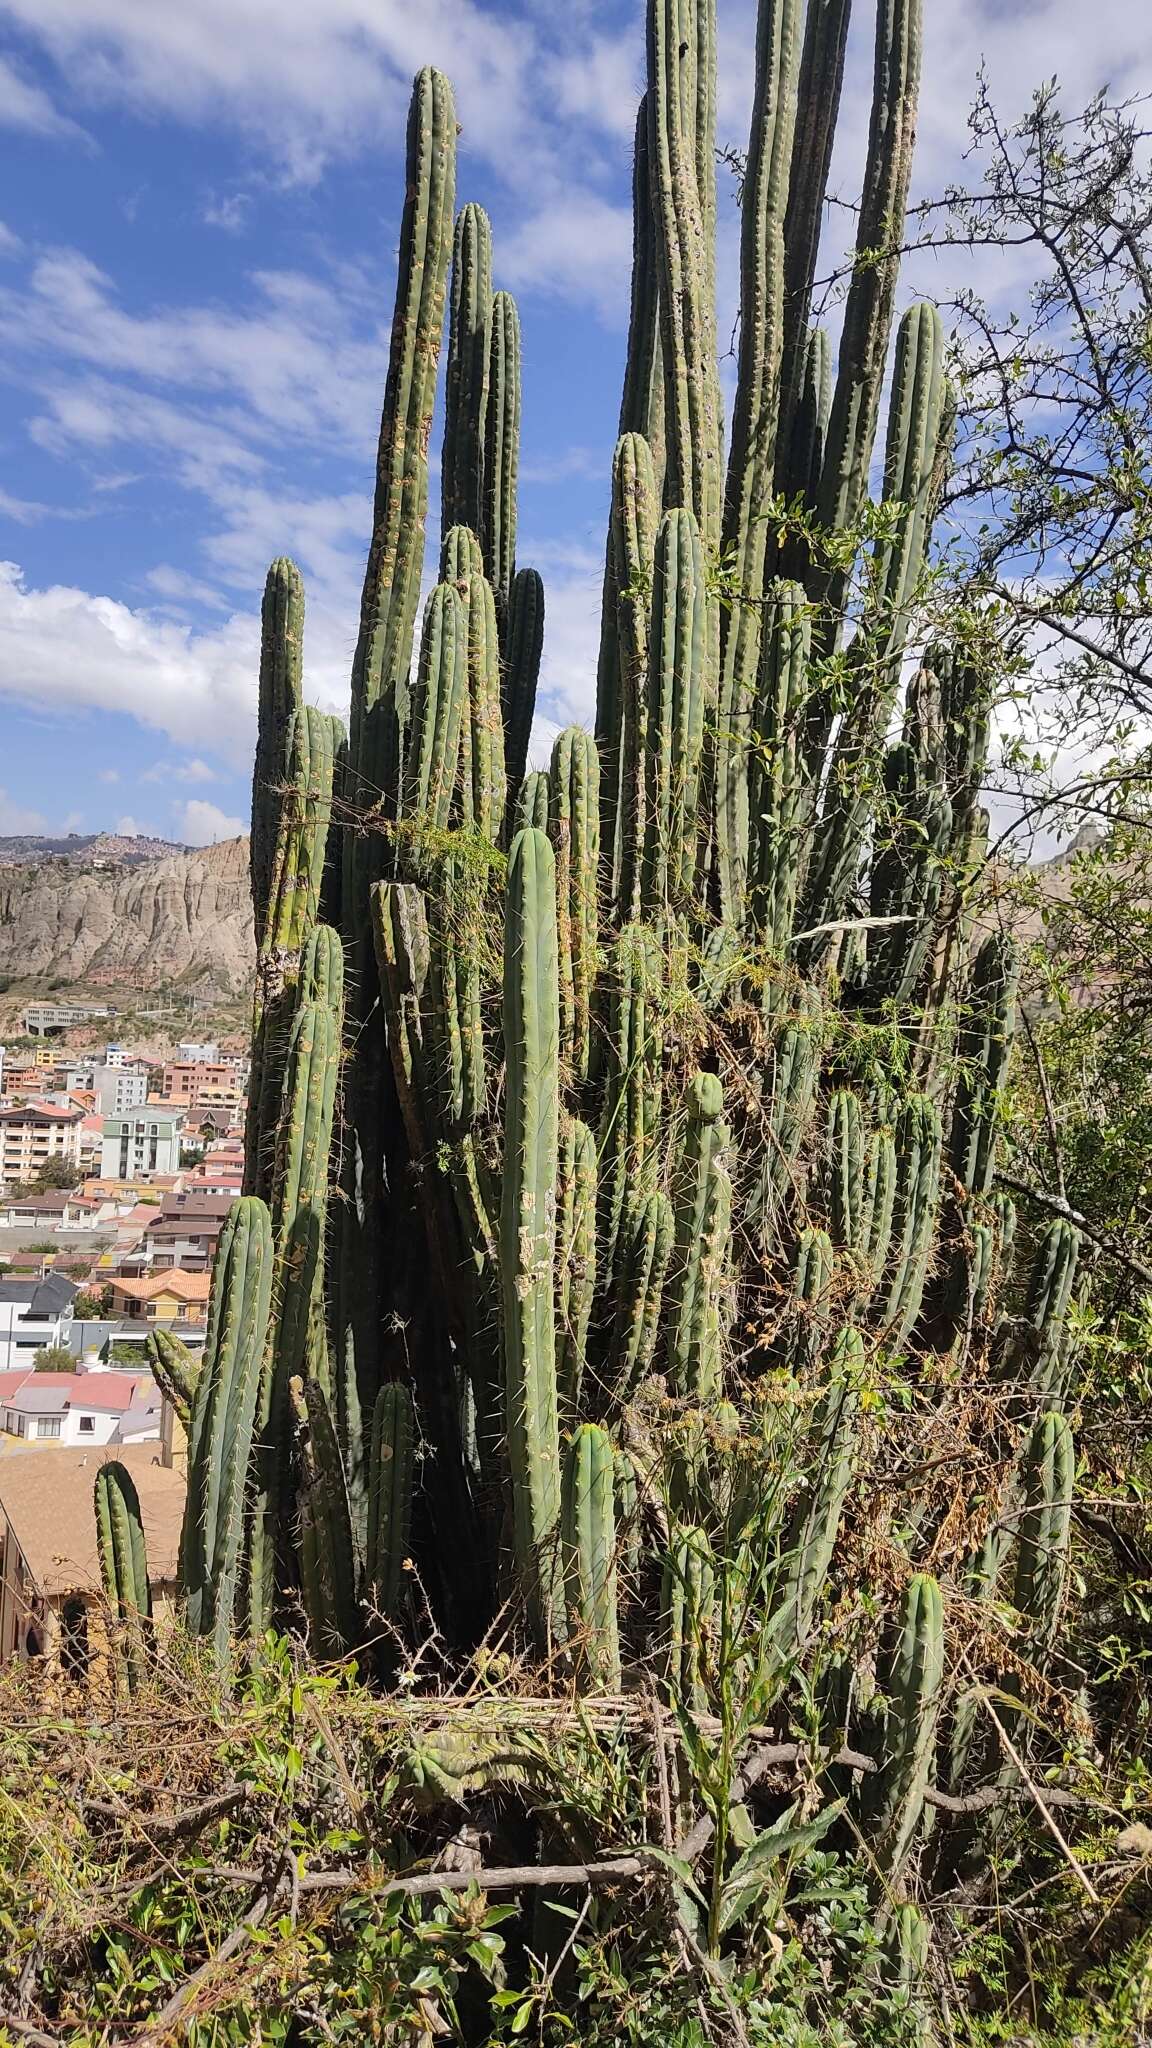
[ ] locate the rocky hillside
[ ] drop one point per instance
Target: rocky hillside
(184, 921)
(84, 849)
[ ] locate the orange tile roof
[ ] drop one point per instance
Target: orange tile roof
(185, 1286)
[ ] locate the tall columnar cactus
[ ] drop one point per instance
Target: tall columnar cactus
(674, 735)
(810, 1541)
(502, 450)
(588, 1534)
(703, 1205)
(575, 1258)
(524, 644)
(280, 695)
(915, 1682)
(574, 827)
(1034, 1347)
(466, 383)
(528, 1215)
(660, 1161)
(1048, 1477)
(649, 1235)
(124, 1566)
(222, 1425)
(390, 1497)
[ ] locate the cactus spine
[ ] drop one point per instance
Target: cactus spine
(390, 1497)
(1049, 1472)
(914, 1686)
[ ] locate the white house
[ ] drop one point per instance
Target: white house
(145, 1140)
(33, 1314)
(102, 1406)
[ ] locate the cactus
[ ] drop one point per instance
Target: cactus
(1034, 1351)
(466, 382)
(703, 1207)
(222, 1424)
(528, 1214)
(575, 1259)
(649, 1235)
(588, 1535)
(1048, 1475)
(815, 1524)
(983, 1047)
(124, 1565)
(524, 643)
(914, 1687)
(844, 1170)
(174, 1369)
(674, 735)
(390, 1467)
(687, 1607)
(574, 827)
(642, 1179)
(502, 451)
(918, 1147)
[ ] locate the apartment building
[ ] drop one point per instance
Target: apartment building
(34, 1133)
(200, 1083)
(145, 1140)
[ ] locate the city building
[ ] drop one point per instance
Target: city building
(120, 1088)
(41, 1018)
(145, 1140)
(51, 1593)
(188, 1051)
(35, 1314)
(200, 1083)
(33, 1134)
(166, 1297)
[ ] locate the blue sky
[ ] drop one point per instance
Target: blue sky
(197, 258)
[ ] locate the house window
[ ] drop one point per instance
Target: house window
(87, 1425)
(48, 1425)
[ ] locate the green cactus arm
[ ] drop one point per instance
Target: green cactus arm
(279, 698)
(575, 1259)
(221, 1428)
(1048, 1476)
(174, 1369)
(395, 558)
(915, 1684)
(528, 1214)
(703, 1218)
(868, 312)
(674, 735)
(621, 676)
(574, 828)
(484, 740)
(766, 793)
(334, 1616)
(432, 761)
(752, 448)
(811, 1538)
(502, 451)
(687, 313)
(817, 108)
(124, 1563)
(649, 1236)
(525, 645)
(641, 406)
(466, 381)
(588, 1538)
(391, 1474)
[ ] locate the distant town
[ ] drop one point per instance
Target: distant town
(117, 1171)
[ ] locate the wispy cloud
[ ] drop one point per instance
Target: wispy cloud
(23, 104)
(201, 823)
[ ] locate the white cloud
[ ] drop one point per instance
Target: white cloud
(129, 827)
(10, 243)
(15, 817)
(577, 245)
(202, 823)
(27, 106)
(109, 775)
(193, 770)
(62, 646)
